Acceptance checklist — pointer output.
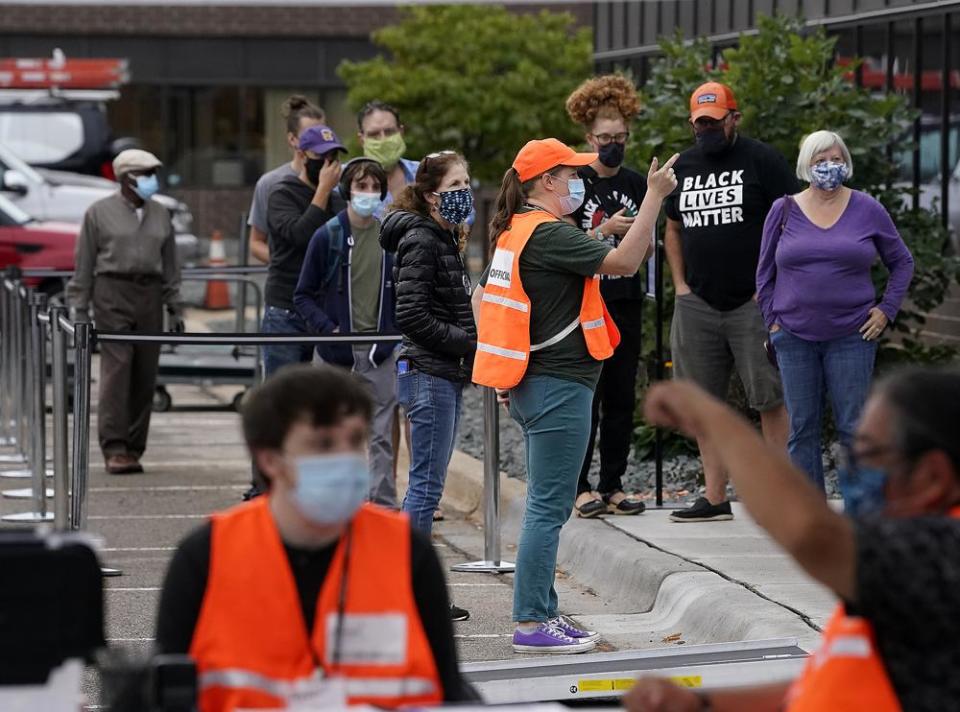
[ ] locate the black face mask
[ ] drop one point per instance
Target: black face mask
(712, 141)
(611, 155)
(314, 166)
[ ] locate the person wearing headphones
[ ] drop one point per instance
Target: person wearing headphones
(346, 286)
(543, 334)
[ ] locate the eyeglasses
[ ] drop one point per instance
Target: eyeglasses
(705, 122)
(605, 138)
(852, 460)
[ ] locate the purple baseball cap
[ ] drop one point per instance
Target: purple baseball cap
(320, 139)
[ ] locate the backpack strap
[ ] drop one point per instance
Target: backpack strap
(336, 246)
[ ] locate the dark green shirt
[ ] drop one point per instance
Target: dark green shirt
(552, 267)
(365, 269)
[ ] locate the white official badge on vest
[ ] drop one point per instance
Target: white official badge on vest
(501, 268)
(368, 639)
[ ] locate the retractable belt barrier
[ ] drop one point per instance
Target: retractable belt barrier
(27, 323)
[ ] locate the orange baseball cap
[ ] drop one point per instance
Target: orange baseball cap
(540, 155)
(712, 99)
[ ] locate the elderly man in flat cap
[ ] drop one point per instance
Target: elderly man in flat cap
(126, 268)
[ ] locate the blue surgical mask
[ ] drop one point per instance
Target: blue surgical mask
(577, 191)
(331, 488)
(365, 204)
(863, 489)
(828, 176)
(455, 205)
(147, 186)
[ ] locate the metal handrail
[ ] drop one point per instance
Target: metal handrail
(187, 271)
(202, 338)
(72, 485)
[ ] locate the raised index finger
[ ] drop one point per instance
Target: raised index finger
(670, 162)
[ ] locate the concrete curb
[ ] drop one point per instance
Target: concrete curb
(650, 589)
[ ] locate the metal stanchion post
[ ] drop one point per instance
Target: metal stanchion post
(12, 368)
(491, 563)
(7, 438)
(38, 393)
(61, 470)
(243, 260)
(81, 424)
(83, 354)
(22, 386)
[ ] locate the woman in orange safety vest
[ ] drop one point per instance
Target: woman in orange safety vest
(543, 332)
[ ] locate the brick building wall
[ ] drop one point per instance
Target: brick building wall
(218, 20)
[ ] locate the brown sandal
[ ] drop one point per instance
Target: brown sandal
(591, 508)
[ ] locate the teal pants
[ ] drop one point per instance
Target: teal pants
(555, 417)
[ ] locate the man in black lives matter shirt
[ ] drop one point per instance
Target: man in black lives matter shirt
(727, 183)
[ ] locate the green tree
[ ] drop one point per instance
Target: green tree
(475, 78)
(787, 84)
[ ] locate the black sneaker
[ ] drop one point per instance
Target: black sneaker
(253, 491)
(458, 614)
(703, 511)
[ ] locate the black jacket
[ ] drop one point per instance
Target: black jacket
(292, 218)
(433, 296)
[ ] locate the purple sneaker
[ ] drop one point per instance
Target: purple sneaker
(567, 627)
(546, 638)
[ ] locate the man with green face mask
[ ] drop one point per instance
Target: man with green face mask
(380, 133)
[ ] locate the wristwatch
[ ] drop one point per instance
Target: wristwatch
(597, 234)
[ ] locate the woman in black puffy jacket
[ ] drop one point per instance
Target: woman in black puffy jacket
(425, 229)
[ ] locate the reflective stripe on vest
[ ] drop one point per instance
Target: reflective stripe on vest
(505, 302)
(371, 687)
(503, 327)
(250, 644)
(500, 351)
(557, 338)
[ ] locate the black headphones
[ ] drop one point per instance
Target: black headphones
(345, 184)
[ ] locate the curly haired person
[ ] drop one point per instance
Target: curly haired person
(605, 107)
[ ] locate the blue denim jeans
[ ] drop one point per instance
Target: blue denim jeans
(843, 368)
(277, 320)
(432, 405)
(555, 417)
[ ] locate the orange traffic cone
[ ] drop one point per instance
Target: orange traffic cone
(217, 295)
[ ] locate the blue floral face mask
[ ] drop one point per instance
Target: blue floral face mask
(828, 176)
(455, 205)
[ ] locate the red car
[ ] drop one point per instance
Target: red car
(30, 244)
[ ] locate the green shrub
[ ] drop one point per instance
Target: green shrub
(788, 85)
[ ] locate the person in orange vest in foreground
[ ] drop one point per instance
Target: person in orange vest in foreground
(543, 332)
(308, 595)
(892, 643)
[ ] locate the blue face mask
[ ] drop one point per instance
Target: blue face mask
(455, 205)
(331, 488)
(365, 204)
(147, 186)
(862, 489)
(577, 191)
(828, 176)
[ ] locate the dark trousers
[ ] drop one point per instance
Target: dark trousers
(614, 401)
(128, 372)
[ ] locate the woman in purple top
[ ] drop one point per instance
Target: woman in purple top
(819, 302)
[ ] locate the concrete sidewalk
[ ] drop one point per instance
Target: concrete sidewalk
(643, 582)
(656, 582)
